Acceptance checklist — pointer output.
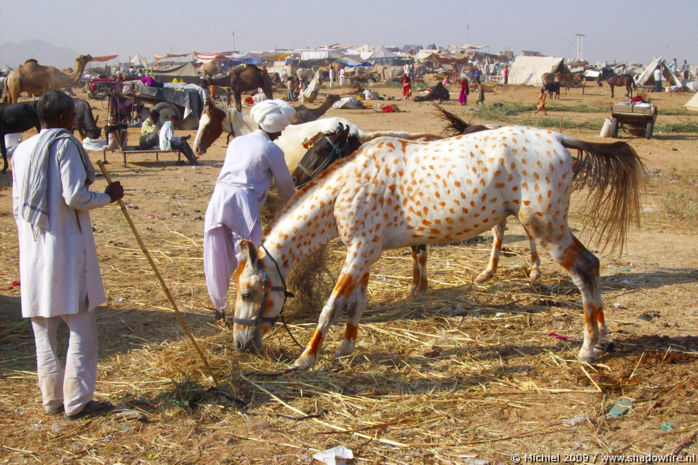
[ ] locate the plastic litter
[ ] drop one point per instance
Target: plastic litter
(558, 336)
(620, 409)
(575, 420)
(335, 456)
(477, 462)
(666, 426)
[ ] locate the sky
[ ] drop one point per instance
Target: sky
(614, 30)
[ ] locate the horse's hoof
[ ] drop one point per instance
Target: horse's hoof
(482, 277)
(304, 362)
(587, 355)
(346, 348)
(534, 275)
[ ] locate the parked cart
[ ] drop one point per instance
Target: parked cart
(637, 118)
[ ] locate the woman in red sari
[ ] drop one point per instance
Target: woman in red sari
(464, 91)
(406, 86)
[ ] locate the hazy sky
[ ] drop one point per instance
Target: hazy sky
(620, 30)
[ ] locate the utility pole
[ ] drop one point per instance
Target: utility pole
(580, 47)
(233, 41)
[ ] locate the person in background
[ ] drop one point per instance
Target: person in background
(481, 94)
(657, 79)
(116, 133)
(541, 103)
(168, 141)
(685, 69)
(406, 86)
(150, 128)
(506, 76)
(58, 264)
(331, 76)
(464, 91)
(342, 75)
(251, 163)
(674, 67)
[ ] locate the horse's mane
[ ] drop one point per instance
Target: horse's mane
(308, 187)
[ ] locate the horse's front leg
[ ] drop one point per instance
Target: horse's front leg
(354, 275)
(355, 308)
(3, 149)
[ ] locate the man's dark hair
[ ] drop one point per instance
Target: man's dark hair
(155, 115)
(53, 104)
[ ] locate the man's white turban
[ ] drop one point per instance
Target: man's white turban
(272, 115)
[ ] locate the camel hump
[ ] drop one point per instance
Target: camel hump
(31, 61)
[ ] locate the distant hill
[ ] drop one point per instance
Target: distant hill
(14, 54)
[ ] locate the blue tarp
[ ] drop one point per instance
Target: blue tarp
(353, 64)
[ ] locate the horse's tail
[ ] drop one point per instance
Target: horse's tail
(613, 173)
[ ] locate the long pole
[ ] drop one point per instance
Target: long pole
(157, 273)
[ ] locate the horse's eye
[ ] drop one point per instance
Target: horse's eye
(246, 294)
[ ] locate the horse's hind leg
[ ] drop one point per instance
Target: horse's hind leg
(498, 237)
(583, 267)
(420, 282)
(534, 274)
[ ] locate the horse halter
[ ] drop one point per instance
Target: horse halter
(260, 318)
(334, 154)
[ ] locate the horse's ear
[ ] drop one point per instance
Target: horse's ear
(249, 251)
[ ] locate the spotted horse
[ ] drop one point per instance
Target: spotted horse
(395, 193)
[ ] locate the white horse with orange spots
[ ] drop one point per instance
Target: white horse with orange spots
(395, 192)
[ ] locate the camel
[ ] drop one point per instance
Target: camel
(248, 77)
(35, 79)
(306, 115)
(211, 68)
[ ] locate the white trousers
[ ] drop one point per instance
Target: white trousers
(75, 386)
(221, 257)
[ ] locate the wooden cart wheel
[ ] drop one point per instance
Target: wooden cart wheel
(649, 129)
(614, 127)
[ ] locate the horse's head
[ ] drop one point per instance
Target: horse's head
(260, 296)
(324, 149)
(210, 127)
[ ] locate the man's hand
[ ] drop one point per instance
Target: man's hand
(115, 190)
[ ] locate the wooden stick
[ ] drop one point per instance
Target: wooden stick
(157, 273)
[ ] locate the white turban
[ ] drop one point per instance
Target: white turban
(272, 115)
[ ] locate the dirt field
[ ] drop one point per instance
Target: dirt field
(469, 372)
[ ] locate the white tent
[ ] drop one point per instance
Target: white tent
(528, 70)
(693, 103)
(646, 77)
(382, 52)
(139, 60)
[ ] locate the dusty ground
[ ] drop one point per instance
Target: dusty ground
(467, 372)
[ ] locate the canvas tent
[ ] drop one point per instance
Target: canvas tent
(528, 70)
(139, 60)
(693, 103)
(187, 73)
(646, 77)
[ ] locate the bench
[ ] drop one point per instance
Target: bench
(135, 151)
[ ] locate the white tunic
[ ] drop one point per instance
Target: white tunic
(250, 163)
(59, 268)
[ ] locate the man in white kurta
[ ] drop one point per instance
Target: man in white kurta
(58, 264)
(251, 161)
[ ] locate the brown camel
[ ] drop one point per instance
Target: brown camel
(35, 79)
(248, 77)
(306, 115)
